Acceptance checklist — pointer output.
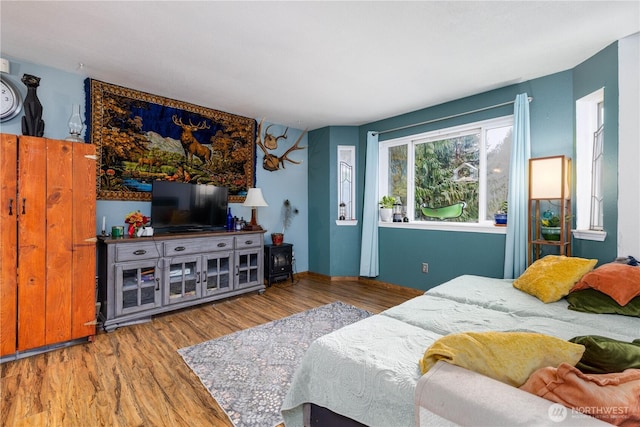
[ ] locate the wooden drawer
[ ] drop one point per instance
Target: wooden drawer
(248, 241)
(197, 246)
(132, 252)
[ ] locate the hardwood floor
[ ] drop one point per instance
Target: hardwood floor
(134, 375)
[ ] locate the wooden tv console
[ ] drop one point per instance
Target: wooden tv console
(144, 276)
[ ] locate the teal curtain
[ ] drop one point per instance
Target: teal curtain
(515, 253)
(369, 242)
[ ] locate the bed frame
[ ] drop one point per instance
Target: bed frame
(322, 417)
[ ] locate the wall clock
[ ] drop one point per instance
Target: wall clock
(11, 100)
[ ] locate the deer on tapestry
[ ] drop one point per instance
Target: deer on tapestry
(189, 142)
(148, 162)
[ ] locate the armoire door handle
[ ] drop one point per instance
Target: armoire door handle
(10, 206)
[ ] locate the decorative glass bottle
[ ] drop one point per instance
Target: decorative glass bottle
(75, 124)
(397, 210)
(230, 225)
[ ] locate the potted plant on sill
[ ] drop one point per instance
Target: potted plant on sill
(287, 212)
(386, 208)
(500, 217)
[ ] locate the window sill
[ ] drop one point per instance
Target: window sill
(347, 222)
(487, 228)
(597, 236)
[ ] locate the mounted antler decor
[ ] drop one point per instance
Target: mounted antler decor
(271, 162)
(270, 141)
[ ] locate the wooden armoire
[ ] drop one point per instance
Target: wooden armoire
(47, 244)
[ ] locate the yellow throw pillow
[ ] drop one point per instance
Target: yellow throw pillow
(510, 357)
(553, 276)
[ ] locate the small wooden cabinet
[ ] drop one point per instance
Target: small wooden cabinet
(47, 244)
(141, 277)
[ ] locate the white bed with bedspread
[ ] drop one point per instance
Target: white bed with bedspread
(369, 371)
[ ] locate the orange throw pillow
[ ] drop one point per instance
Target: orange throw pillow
(620, 281)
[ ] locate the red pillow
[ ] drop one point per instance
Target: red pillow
(620, 281)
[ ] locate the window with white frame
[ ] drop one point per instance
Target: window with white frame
(346, 182)
(434, 170)
(589, 167)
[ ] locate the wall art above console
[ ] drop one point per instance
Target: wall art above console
(141, 138)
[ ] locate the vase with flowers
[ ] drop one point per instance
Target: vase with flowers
(136, 221)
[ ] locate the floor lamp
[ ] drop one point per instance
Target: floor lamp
(549, 183)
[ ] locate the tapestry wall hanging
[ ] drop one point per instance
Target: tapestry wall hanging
(141, 138)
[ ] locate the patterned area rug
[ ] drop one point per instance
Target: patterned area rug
(249, 372)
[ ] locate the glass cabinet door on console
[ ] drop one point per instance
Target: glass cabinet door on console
(183, 280)
(217, 274)
(248, 268)
(137, 286)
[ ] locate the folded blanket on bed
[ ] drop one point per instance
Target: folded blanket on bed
(509, 357)
(609, 397)
(467, 398)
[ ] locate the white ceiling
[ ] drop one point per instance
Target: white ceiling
(313, 64)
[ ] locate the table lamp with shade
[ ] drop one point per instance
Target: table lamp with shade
(254, 200)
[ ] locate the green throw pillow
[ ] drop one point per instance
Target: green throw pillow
(592, 301)
(604, 355)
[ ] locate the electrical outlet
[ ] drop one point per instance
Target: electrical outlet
(425, 267)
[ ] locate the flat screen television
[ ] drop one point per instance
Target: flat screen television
(178, 207)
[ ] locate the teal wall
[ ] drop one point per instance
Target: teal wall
(345, 240)
(450, 254)
(552, 115)
(601, 70)
(320, 184)
(334, 250)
